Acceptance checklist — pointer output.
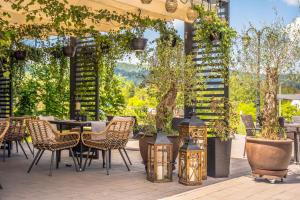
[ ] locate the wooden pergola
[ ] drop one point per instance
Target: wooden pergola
(217, 87)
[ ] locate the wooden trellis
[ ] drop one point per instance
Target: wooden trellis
(5, 96)
(215, 73)
(84, 79)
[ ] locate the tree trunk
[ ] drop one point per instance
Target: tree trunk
(270, 119)
(165, 108)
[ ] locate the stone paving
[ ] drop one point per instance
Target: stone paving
(121, 184)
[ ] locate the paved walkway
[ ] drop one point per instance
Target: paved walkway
(246, 187)
(66, 184)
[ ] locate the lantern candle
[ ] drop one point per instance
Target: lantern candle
(77, 105)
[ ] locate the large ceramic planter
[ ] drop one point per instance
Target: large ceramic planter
(144, 139)
(269, 157)
(218, 157)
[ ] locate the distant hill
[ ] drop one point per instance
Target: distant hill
(131, 72)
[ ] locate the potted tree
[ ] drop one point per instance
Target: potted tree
(269, 153)
(171, 73)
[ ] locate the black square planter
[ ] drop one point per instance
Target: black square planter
(218, 157)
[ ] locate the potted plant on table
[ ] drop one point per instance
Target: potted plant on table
(269, 153)
(171, 73)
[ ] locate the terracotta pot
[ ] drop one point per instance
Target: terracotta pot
(143, 141)
(269, 157)
(139, 44)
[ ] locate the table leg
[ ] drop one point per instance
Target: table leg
(296, 147)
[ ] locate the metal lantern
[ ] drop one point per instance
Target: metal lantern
(159, 164)
(146, 1)
(171, 6)
(197, 129)
(190, 161)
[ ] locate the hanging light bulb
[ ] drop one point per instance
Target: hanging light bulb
(171, 6)
(146, 1)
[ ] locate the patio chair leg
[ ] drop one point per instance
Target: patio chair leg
(29, 147)
(36, 157)
(107, 161)
(17, 148)
(23, 149)
(109, 153)
(57, 158)
(9, 148)
(4, 148)
(91, 158)
(244, 149)
(51, 164)
(124, 159)
(38, 160)
(87, 157)
(127, 156)
(73, 157)
(103, 158)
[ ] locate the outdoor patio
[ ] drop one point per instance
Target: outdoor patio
(158, 82)
(121, 184)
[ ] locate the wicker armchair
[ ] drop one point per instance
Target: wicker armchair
(44, 137)
(17, 133)
(250, 128)
(115, 136)
(4, 125)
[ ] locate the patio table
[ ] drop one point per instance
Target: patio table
(296, 140)
(73, 124)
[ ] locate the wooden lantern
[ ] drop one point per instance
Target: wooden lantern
(159, 164)
(197, 129)
(190, 161)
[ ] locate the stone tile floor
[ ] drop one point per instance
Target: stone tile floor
(66, 184)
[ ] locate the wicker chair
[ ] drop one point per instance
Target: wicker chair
(17, 133)
(4, 125)
(115, 136)
(250, 128)
(44, 137)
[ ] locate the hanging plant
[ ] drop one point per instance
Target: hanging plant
(20, 54)
(170, 37)
(138, 44)
(211, 29)
(69, 50)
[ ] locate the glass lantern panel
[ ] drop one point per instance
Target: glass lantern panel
(182, 161)
(194, 166)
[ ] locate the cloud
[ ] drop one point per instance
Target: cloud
(292, 2)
